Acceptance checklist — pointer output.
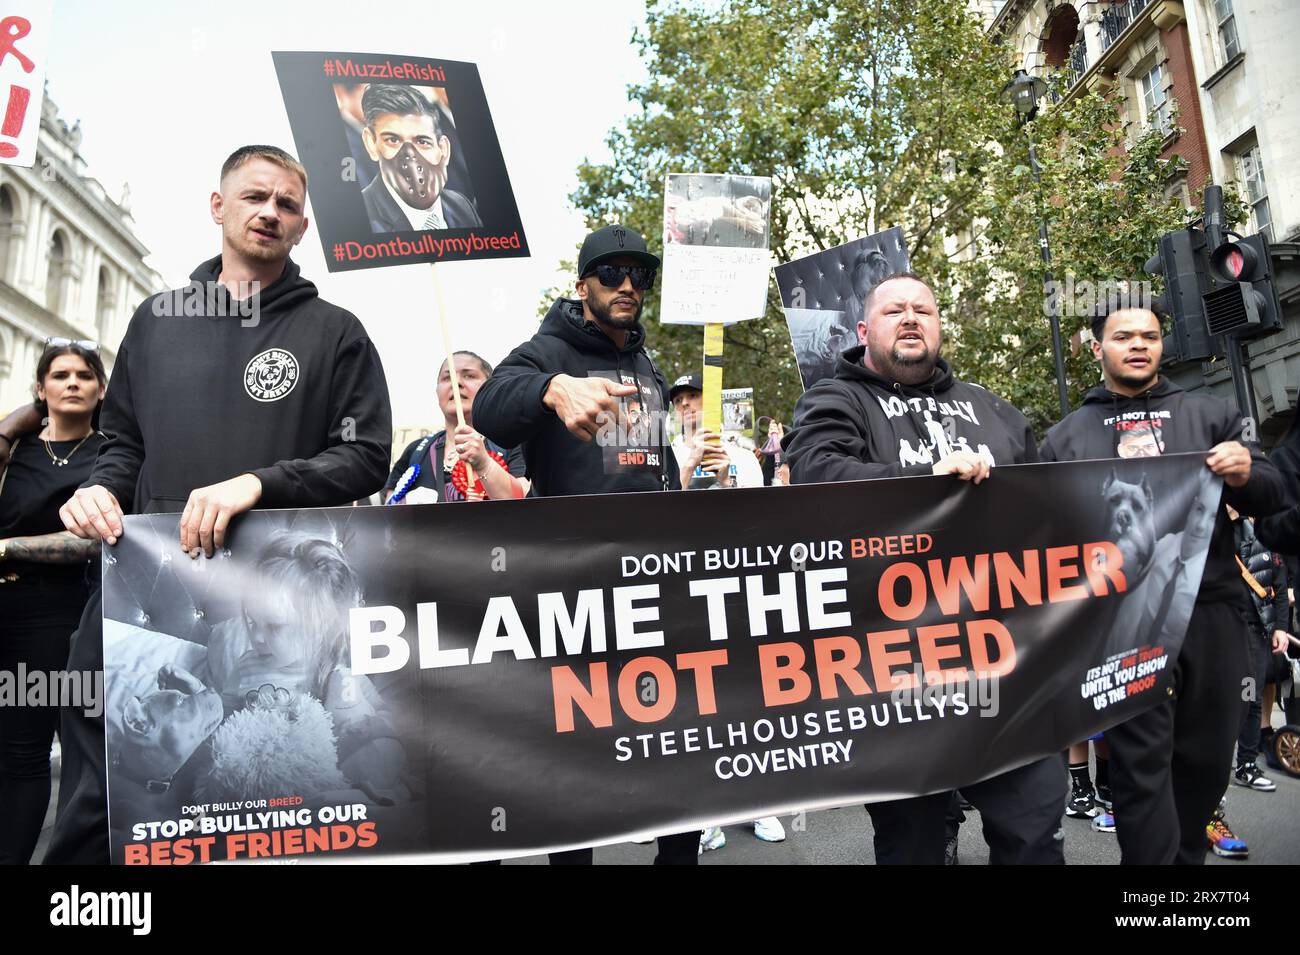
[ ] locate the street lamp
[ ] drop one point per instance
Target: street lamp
(1023, 92)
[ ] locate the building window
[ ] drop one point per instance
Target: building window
(1252, 175)
(7, 219)
(1155, 105)
(55, 270)
(1227, 22)
(104, 307)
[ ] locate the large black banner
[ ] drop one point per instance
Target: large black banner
(483, 681)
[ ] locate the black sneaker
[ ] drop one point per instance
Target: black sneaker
(1252, 777)
(1081, 804)
(950, 852)
(1105, 798)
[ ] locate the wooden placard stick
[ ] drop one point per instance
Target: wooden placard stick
(451, 367)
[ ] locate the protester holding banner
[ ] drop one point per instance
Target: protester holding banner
(1168, 765)
(43, 568)
(894, 409)
(245, 389)
(586, 375)
(427, 471)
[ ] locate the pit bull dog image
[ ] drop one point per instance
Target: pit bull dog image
(163, 729)
(1162, 574)
(1132, 524)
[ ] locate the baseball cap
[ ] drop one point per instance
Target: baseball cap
(612, 242)
(691, 382)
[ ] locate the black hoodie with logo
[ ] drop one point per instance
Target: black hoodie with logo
(1167, 420)
(630, 454)
(859, 425)
(202, 392)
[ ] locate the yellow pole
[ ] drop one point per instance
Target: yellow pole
(713, 378)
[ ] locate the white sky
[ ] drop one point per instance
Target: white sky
(165, 91)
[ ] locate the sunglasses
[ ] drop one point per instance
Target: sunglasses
(83, 343)
(612, 276)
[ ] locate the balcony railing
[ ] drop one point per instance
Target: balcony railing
(1077, 64)
(1117, 17)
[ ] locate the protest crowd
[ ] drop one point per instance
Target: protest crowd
(199, 419)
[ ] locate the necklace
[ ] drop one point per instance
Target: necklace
(60, 462)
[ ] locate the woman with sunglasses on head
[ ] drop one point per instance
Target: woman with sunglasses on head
(43, 585)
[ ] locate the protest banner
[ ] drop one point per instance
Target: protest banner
(738, 413)
(822, 295)
(419, 179)
(471, 683)
(716, 260)
(397, 176)
(716, 263)
(25, 27)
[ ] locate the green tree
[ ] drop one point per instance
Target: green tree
(870, 115)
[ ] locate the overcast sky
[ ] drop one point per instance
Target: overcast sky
(165, 91)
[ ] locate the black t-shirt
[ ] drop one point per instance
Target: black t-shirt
(431, 472)
(35, 489)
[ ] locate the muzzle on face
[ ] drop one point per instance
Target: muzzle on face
(411, 176)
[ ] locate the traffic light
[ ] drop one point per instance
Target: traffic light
(1184, 261)
(1241, 300)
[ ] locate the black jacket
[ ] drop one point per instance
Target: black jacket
(1273, 610)
(295, 395)
(1167, 420)
(858, 425)
(1281, 531)
(385, 215)
(632, 454)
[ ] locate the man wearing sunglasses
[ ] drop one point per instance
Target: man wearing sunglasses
(581, 396)
(588, 406)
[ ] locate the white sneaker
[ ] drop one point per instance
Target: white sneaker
(712, 838)
(769, 829)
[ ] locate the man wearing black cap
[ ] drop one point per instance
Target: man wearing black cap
(586, 403)
(585, 375)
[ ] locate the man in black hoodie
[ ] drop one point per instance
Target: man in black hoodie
(585, 375)
(1169, 765)
(588, 405)
(894, 409)
(244, 389)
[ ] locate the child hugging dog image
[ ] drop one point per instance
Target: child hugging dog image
(292, 633)
(270, 702)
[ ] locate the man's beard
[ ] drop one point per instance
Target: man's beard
(905, 371)
(605, 316)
